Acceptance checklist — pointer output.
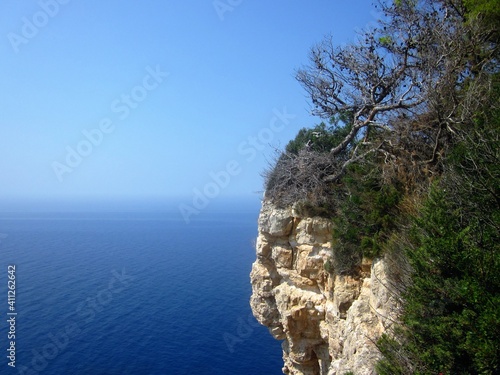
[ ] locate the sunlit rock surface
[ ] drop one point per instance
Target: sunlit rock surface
(328, 324)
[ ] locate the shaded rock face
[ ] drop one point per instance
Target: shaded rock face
(328, 324)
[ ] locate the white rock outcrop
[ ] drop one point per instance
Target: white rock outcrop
(328, 324)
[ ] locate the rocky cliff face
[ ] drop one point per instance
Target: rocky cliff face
(328, 324)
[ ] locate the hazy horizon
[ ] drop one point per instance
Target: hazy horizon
(173, 204)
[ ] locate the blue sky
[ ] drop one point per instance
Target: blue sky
(155, 98)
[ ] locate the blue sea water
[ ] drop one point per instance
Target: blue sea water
(132, 293)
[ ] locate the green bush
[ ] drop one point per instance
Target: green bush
(367, 215)
(451, 313)
(322, 138)
(328, 266)
(300, 174)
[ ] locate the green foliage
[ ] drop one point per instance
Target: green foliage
(400, 3)
(452, 308)
(393, 351)
(486, 15)
(328, 266)
(451, 319)
(487, 8)
(386, 40)
(366, 217)
(321, 138)
(300, 174)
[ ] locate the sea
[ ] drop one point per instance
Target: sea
(131, 291)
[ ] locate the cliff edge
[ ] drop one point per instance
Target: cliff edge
(328, 323)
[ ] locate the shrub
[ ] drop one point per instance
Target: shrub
(300, 174)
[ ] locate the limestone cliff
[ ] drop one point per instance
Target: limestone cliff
(328, 324)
